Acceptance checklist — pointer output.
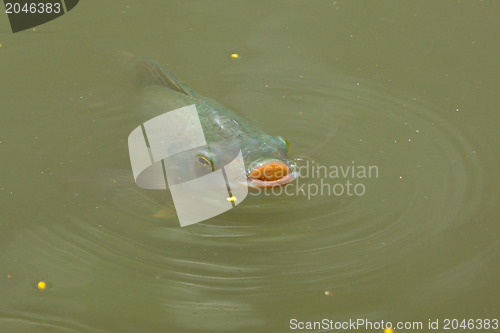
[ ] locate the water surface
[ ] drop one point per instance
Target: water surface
(408, 87)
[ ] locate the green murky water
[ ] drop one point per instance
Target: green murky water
(408, 88)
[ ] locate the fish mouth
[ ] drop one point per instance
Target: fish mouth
(269, 174)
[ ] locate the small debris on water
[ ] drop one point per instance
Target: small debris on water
(328, 293)
(42, 285)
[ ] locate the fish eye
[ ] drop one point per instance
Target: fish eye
(284, 143)
(204, 160)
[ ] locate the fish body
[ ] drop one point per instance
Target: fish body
(265, 156)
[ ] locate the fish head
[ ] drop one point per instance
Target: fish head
(265, 161)
(268, 163)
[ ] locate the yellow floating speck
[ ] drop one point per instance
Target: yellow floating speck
(0, 45)
(235, 55)
(388, 330)
(42, 285)
(233, 198)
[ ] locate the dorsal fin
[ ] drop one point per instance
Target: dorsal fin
(151, 73)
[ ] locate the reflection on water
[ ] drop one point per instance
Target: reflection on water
(111, 249)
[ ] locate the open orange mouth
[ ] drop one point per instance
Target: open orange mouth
(273, 173)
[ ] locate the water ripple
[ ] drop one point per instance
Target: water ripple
(279, 250)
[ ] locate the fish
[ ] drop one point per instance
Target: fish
(265, 156)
